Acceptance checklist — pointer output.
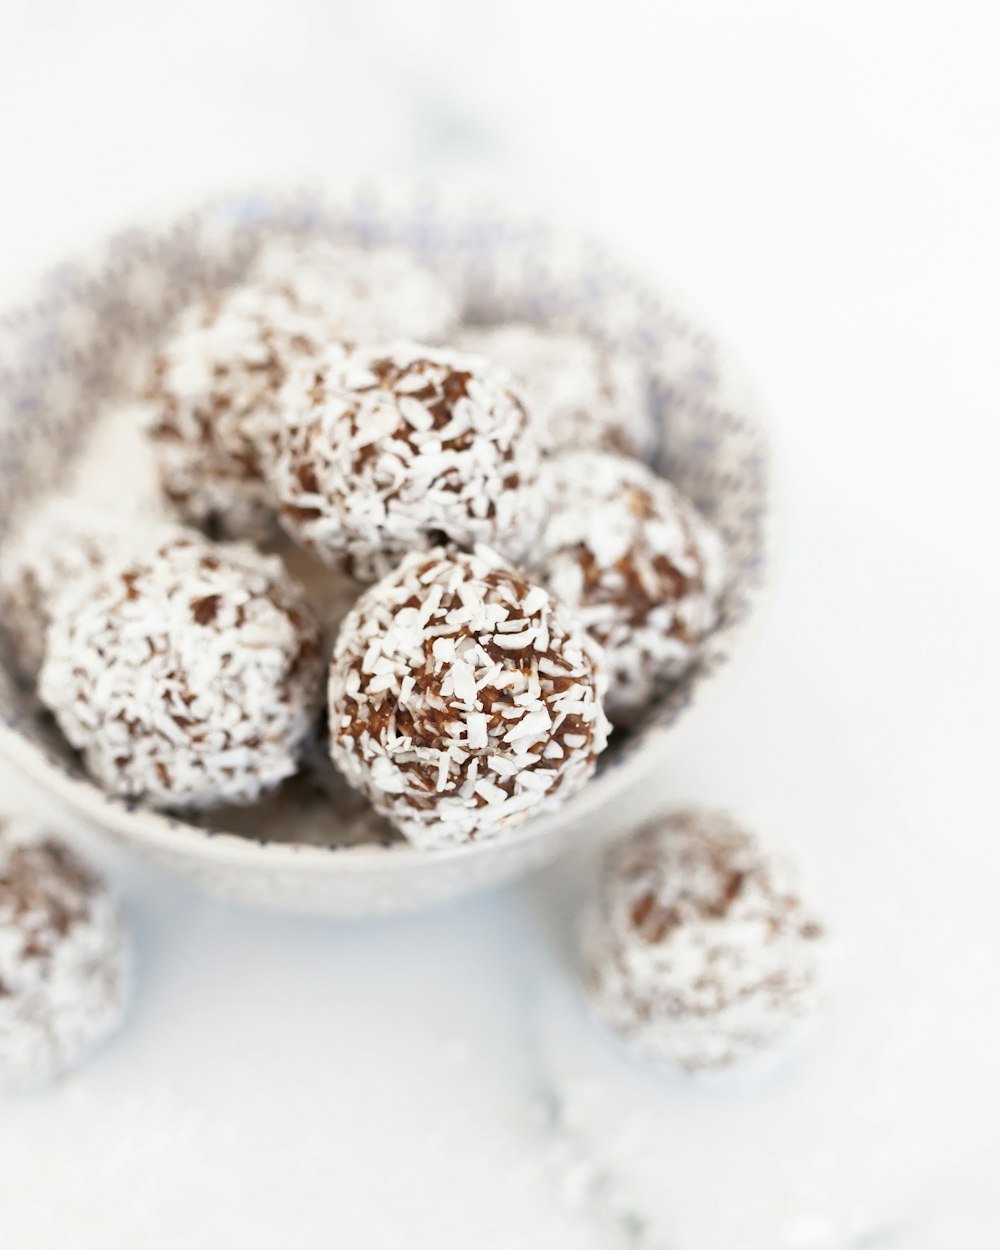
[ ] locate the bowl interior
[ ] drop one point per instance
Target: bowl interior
(80, 346)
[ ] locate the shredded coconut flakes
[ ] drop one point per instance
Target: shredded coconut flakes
(451, 743)
(581, 393)
(63, 958)
(639, 565)
(188, 677)
(698, 949)
(59, 550)
(213, 410)
(390, 448)
(363, 294)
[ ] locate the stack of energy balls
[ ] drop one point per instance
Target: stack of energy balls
(503, 578)
(519, 578)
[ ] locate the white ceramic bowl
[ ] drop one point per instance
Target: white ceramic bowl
(80, 343)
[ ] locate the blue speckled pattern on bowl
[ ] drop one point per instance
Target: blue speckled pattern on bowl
(82, 341)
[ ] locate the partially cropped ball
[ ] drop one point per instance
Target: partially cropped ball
(58, 550)
(390, 448)
(637, 562)
(580, 392)
(698, 949)
(463, 699)
(188, 677)
(63, 958)
(364, 294)
(212, 404)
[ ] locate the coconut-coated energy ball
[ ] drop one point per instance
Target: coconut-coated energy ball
(395, 447)
(364, 294)
(698, 950)
(57, 551)
(463, 699)
(188, 677)
(63, 958)
(212, 404)
(580, 392)
(639, 565)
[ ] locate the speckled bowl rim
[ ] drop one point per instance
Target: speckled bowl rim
(174, 835)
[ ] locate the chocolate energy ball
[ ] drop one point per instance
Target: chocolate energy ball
(57, 551)
(212, 405)
(580, 393)
(698, 950)
(390, 448)
(189, 677)
(463, 699)
(63, 958)
(364, 294)
(639, 565)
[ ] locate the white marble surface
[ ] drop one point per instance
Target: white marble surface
(823, 181)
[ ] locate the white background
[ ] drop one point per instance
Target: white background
(822, 180)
